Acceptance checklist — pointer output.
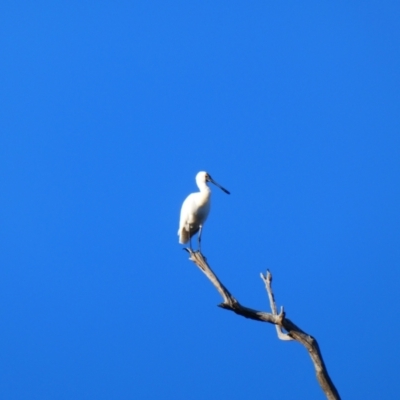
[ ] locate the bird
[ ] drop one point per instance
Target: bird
(195, 209)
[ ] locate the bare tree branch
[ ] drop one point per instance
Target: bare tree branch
(268, 280)
(279, 320)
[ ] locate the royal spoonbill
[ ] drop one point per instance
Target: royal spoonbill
(195, 209)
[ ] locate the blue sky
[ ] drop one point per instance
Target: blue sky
(108, 111)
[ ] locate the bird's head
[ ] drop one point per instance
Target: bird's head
(204, 177)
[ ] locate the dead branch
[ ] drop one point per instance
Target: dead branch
(268, 280)
(279, 320)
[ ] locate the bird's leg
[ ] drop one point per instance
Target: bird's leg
(190, 238)
(199, 237)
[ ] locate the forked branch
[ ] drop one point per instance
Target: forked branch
(279, 320)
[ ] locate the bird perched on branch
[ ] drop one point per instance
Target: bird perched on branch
(195, 209)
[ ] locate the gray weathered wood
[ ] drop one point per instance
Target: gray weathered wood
(279, 320)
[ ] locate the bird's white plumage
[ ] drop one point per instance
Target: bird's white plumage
(195, 208)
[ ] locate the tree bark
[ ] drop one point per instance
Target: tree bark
(279, 320)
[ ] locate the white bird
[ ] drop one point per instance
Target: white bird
(195, 209)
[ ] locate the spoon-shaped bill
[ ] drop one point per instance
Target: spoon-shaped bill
(217, 184)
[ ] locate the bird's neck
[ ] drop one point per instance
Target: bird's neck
(204, 188)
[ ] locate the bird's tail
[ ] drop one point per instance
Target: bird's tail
(183, 235)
